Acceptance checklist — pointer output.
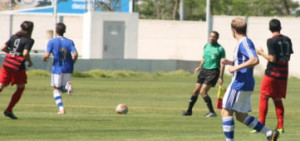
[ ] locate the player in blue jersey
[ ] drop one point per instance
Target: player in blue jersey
(238, 95)
(64, 57)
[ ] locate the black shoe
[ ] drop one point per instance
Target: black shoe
(10, 115)
(186, 113)
(274, 136)
(210, 114)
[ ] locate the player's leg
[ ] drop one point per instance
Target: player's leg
(253, 123)
(204, 94)
(211, 78)
(56, 83)
(5, 78)
(242, 106)
(20, 79)
(193, 100)
(263, 108)
(66, 83)
(279, 113)
(227, 115)
(228, 124)
(266, 86)
(280, 86)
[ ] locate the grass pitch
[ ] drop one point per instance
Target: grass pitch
(155, 106)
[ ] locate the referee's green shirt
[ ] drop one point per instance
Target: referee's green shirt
(212, 56)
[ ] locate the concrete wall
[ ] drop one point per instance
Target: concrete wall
(93, 33)
(167, 40)
(258, 32)
(184, 40)
(42, 23)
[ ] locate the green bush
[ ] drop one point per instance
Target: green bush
(42, 73)
(114, 74)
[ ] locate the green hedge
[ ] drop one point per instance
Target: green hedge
(114, 74)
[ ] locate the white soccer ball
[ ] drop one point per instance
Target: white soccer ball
(122, 109)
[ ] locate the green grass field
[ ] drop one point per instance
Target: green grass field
(155, 106)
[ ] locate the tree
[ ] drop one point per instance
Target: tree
(175, 11)
(195, 9)
(108, 5)
(163, 9)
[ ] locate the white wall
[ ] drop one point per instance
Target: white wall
(258, 32)
(158, 39)
(184, 40)
(42, 23)
(171, 39)
(93, 33)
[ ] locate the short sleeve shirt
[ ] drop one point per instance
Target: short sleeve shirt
(61, 48)
(212, 56)
(243, 79)
(16, 45)
(281, 47)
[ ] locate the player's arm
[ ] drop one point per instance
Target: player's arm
(27, 57)
(268, 57)
(4, 48)
(222, 67)
(248, 64)
(46, 56)
(47, 52)
(75, 56)
(200, 65)
(225, 61)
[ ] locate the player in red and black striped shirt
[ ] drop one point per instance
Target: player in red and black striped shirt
(13, 70)
(274, 83)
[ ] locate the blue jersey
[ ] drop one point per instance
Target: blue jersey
(61, 49)
(243, 79)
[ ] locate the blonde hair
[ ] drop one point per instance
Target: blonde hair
(239, 25)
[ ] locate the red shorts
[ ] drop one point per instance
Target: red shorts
(273, 88)
(11, 77)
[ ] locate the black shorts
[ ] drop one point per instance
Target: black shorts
(209, 77)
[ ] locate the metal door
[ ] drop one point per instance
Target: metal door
(113, 39)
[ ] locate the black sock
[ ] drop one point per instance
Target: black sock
(209, 104)
(192, 102)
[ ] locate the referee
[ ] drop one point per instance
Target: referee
(210, 72)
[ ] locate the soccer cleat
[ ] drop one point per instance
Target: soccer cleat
(274, 136)
(9, 114)
(69, 88)
(253, 131)
(186, 113)
(210, 114)
(281, 131)
(61, 112)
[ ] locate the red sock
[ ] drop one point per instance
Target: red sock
(263, 108)
(279, 112)
(14, 99)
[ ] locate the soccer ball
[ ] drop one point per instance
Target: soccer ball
(121, 109)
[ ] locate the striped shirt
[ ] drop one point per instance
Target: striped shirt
(243, 79)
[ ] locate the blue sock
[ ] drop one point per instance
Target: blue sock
(253, 123)
(58, 99)
(228, 128)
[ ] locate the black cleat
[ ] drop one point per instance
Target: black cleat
(186, 113)
(10, 115)
(274, 136)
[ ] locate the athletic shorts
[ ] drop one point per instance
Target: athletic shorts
(12, 77)
(60, 80)
(273, 88)
(239, 101)
(209, 77)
